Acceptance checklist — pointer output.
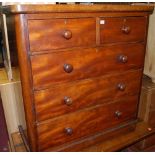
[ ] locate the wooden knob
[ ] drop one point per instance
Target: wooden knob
(126, 29)
(121, 86)
(67, 34)
(122, 58)
(118, 114)
(68, 68)
(69, 131)
(67, 100)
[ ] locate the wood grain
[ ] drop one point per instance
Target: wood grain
(110, 142)
(123, 139)
(83, 122)
(111, 31)
(53, 15)
(75, 8)
(26, 81)
(47, 69)
(43, 50)
(49, 33)
(50, 102)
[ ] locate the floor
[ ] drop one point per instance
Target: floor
(4, 77)
(18, 142)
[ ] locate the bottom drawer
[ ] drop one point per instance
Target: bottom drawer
(86, 122)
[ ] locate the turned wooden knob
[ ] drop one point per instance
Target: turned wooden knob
(68, 68)
(69, 131)
(67, 100)
(118, 114)
(121, 86)
(126, 29)
(122, 58)
(67, 34)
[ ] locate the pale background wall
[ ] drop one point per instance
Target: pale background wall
(12, 101)
(149, 67)
(11, 95)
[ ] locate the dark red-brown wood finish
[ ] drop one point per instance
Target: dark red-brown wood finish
(81, 69)
(50, 69)
(66, 98)
(65, 32)
(86, 122)
(26, 79)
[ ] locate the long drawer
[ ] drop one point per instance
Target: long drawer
(86, 122)
(61, 33)
(67, 98)
(49, 69)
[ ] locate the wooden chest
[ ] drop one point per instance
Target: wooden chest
(81, 69)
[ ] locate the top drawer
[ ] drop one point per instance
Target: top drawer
(61, 33)
(122, 29)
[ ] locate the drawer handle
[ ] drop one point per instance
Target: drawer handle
(123, 58)
(67, 34)
(121, 86)
(67, 100)
(126, 29)
(68, 68)
(69, 131)
(118, 114)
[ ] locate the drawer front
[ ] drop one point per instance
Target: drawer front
(123, 29)
(67, 98)
(48, 69)
(61, 33)
(84, 123)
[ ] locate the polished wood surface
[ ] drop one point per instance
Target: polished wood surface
(123, 29)
(25, 73)
(123, 139)
(51, 102)
(82, 122)
(48, 69)
(75, 8)
(98, 15)
(64, 60)
(61, 33)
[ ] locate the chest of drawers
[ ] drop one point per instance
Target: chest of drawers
(81, 69)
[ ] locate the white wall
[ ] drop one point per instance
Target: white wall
(149, 67)
(11, 95)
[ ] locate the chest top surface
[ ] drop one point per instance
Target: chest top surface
(75, 8)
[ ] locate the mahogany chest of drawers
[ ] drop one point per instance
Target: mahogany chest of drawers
(81, 69)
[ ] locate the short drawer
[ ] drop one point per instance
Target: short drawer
(123, 29)
(54, 68)
(67, 98)
(61, 33)
(87, 122)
